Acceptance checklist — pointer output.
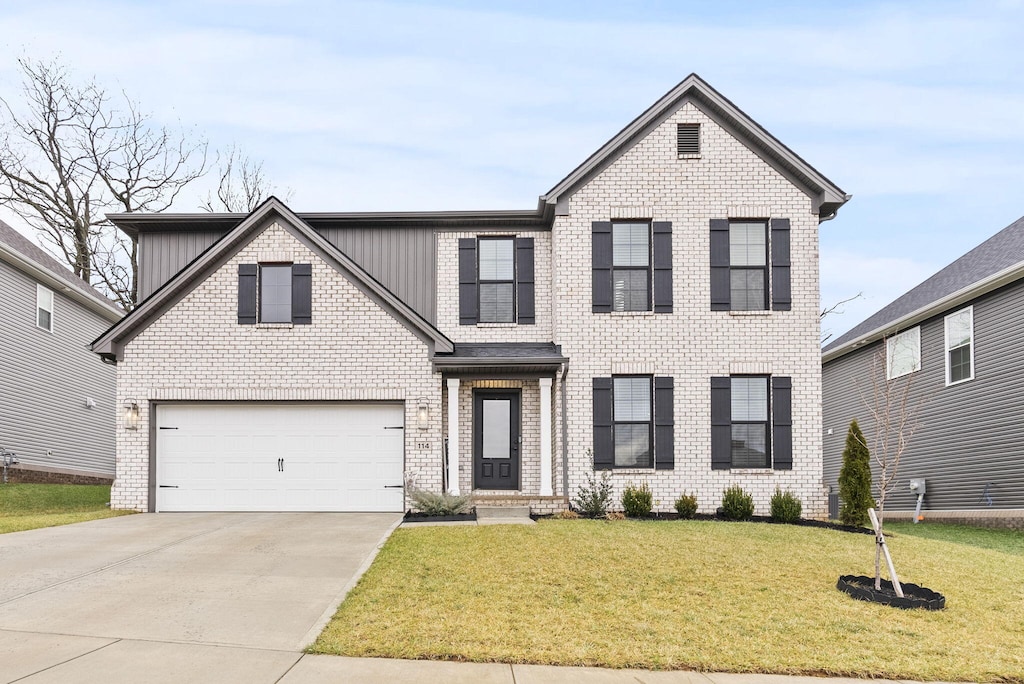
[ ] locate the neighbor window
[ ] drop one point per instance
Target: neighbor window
(631, 416)
(44, 308)
(497, 280)
(275, 293)
(903, 353)
(748, 265)
(750, 422)
(631, 261)
(960, 346)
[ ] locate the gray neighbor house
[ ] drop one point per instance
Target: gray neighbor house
(57, 404)
(959, 337)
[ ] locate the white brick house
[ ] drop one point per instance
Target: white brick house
(656, 316)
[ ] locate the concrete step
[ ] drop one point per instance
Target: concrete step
(502, 512)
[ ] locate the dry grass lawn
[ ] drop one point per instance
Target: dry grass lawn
(29, 506)
(738, 597)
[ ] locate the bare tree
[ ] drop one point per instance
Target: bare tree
(242, 184)
(69, 155)
(895, 412)
(835, 309)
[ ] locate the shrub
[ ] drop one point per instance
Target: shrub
(686, 506)
(737, 504)
(637, 502)
(595, 496)
(566, 514)
(855, 479)
(614, 515)
(785, 506)
(435, 503)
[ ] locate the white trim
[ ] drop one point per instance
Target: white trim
(909, 336)
(945, 346)
(40, 291)
(545, 437)
(453, 436)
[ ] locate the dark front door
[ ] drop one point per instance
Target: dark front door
(495, 439)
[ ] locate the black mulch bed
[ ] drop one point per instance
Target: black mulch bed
(416, 516)
(757, 518)
(914, 596)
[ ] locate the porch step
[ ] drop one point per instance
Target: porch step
(503, 514)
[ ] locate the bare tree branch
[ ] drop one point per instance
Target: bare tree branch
(834, 309)
(242, 184)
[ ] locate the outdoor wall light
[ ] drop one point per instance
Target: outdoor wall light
(131, 416)
(422, 414)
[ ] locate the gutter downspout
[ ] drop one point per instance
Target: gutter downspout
(565, 436)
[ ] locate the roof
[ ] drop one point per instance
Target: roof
(111, 343)
(30, 258)
(992, 264)
(827, 195)
(501, 356)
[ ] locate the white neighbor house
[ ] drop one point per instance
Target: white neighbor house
(655, 316)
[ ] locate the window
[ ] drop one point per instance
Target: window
(44, 308)
(903, 353)
(960, 346)
(275, 293)
(631, 273)
(631, 415)
(750, 422)
(687, 139)
(748, 266)
(497, 280)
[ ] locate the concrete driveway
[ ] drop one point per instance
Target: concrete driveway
(176, 596)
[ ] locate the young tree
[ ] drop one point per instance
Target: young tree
(855, 479)
(242, 185)
(69, 154)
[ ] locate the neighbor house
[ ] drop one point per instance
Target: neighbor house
(958, 339)
(57, 405)
(655, 317)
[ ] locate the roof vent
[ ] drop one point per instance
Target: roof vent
(687, 139)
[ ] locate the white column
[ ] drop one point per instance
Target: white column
(545, 436)
(453, 436)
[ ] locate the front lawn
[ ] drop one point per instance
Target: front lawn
(28, 506)
(713, 596)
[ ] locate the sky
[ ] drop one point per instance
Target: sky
(914, 108)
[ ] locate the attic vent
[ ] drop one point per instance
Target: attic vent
(687, 139)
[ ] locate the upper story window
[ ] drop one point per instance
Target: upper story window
(275, 293)
(497, 280)
(748, 264)
(631, 261)
(903, 353)
(44, 308)
(960, 346)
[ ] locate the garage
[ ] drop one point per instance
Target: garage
(262, 456)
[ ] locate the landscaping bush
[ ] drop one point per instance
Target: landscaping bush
(594, 497)
(785, 506)
(686, 506)
(637, 502)
(737, 504)
(438, 503)
(855, 479)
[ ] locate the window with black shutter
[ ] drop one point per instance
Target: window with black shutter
(742, 274)
(751, 422)
(631, 267)
(275, 293)
(496, 280)
(634, 422)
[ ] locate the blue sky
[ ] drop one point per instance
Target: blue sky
(915, 108)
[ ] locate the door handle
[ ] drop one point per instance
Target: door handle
(393, 486)
(280, 465)
(168, 486)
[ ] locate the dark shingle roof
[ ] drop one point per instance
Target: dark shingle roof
(18, 243)
(999, 252)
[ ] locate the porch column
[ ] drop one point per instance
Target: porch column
(545, 436)
(453, 436)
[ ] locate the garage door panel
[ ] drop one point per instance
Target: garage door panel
(334, 457)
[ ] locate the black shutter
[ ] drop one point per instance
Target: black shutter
(721, 423)
(601, 238)
(664, 425)
(467, 282)
(604, 447)
(720, 285)
(782, 300)
(302, 294)
(247, 275)
(662, 266)
(524, 281)
(782, 423)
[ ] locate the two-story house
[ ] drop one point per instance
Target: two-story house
(57, 401)
(656, 316)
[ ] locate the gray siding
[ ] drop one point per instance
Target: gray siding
(45, 379)
(401, 259)
(970, 434)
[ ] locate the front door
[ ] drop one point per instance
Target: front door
(495, 439)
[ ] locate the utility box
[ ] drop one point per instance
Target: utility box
(917, 487)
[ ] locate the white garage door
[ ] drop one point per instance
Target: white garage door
(279, 457)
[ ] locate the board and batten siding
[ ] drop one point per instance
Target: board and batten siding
(401, 259)
(45, 379)
(970, 435)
